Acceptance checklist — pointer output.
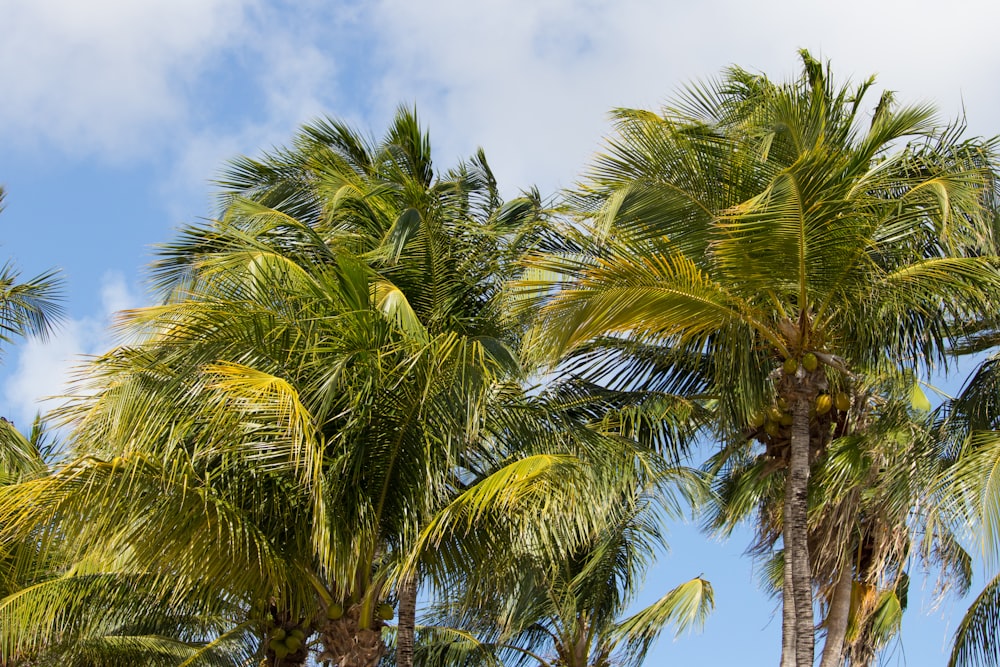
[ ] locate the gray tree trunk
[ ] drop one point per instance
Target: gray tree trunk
(795, 534)
(837, 618)
(406, 626)
(787, 618)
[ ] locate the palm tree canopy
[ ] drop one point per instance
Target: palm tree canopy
(754, 222)
(327, 358)
(764, 245)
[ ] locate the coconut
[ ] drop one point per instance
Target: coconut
(810, 362)
(772, 428)
(293, 643)
(278, 634)
(335, 611)
(280, 650)
(791, 365)
(297, 632)
(774, 413)
(786, 420)
(385, 611)
(757, 419)
(823, 404)
(842, 401)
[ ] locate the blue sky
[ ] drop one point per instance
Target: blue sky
(116, 115)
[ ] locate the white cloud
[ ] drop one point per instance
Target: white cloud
(116, 294)
(533, 81)
(530, 81)
(44, 367)
(294, 82)
(105, 75)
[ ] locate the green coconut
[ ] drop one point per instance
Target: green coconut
(786, 420)
(278, 634)
(772, 428)
(293, 643)
(299, 633)
(810, 362)
(823, 404)
(790, 366)
(842, 401)
(385, 611)
(335, 611)
(280, 650)
(774, 413)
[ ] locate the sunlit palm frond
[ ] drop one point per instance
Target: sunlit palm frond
(685, 607)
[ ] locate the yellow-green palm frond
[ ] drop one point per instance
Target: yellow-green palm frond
(686, 607)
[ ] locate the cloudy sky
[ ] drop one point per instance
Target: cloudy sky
(117, 114)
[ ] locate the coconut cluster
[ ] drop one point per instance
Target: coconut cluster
(828, 413)
(288, 643)
(346, 643)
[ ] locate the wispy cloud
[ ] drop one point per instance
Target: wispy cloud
(106, 76)
(533, 80)
(189, 84)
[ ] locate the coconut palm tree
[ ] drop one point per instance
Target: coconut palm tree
(447, 244)
(970, 423)
(873, 516)
(568, 607)
(329, 358)
(778, 248)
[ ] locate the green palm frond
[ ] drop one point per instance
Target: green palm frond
(974, 485)
(975, 636)
(31, 307)
(685, 607)
(754, 222)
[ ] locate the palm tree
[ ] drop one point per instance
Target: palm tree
(328, 359)
(568, 607)
(970, 424)
(447, 244)
(777, 250)
(872, 514)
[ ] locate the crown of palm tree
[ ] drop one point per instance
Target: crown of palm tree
(773, 244)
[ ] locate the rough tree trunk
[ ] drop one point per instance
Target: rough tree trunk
(406, 627)
(349, 642)
(795, 533)
(837, 618)
(787, 619)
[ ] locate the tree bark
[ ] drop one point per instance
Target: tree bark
(406, 627)
(787, 618)
(795, 532)
(347, 644)
(837, 619)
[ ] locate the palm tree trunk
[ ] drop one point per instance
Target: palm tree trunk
(795, 532)
(406, 627)
(787, 618)
(837, 618)
(348, 642)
